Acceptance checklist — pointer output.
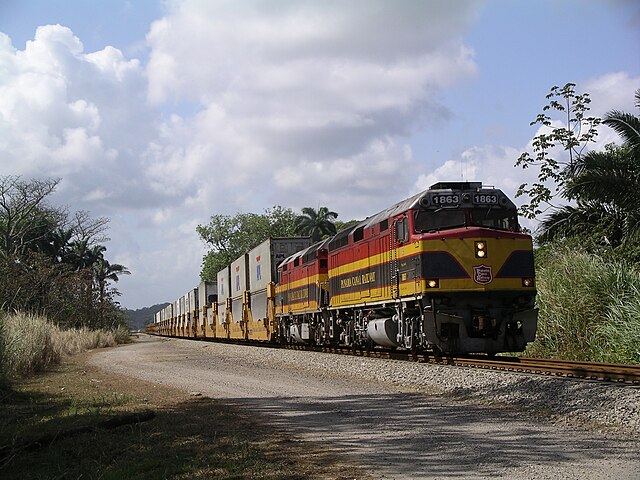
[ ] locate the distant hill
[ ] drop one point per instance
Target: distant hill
(137, 319)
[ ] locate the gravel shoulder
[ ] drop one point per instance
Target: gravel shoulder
(402, 421)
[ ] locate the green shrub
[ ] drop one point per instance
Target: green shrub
(589, 307)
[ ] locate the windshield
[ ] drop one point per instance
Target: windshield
(425, 221)
(495, 218)
(441, 219)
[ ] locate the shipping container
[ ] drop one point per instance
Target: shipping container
(224, 292)
(192, 299)
(239, 285)
(207, 294)
(263, 265)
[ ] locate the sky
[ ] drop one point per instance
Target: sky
(159, 114)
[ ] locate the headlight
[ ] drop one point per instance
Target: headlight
(481, 249)
(433, 283)
(528, 282)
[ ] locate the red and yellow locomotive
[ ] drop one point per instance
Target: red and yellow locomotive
(448, 269)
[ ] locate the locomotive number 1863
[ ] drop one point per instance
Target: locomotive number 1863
(485, 199)
(445, 199)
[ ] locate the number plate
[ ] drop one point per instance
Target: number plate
(485, 199)
(449, 199)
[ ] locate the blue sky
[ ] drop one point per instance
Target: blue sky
(160, 114)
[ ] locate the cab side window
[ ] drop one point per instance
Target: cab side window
(402, 230)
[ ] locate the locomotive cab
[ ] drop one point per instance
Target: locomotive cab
(467, 204)
(477, 264)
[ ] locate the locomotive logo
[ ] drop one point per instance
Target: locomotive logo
(482, 274)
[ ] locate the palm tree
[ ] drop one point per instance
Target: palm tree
(104, 271)
(316, 224)
(606, 187)
(80, 255)
(627, 125)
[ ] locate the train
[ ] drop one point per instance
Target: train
(448, 270)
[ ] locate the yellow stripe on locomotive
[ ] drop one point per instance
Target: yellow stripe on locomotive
(302, 295)
(503, 263)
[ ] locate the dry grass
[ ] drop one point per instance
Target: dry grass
(30, 344)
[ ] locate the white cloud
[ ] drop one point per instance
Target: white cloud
(613, 91)
(64, 113)
(490, 164)
(244, 105)
(300, 92)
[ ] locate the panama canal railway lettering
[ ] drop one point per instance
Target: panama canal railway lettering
(357, 280)
(299, 294)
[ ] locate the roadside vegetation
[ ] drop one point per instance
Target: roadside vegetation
(588, 260)
(56, 295)
(31, 344)
(589, 306)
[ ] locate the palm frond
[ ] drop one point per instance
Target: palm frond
(626, 125)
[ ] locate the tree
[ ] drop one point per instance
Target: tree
(229, 237)
(316, 224)
(342, 225)
(93, 230)
(573, 138)
(606, 189)
(627, 125)
(103, 272)
(25, 219)
(55, 264)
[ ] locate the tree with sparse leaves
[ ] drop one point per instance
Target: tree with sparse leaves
(557, 149)
(605, 187)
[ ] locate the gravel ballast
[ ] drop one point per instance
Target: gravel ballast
(598, 404)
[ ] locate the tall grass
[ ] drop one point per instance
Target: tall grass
(589, 308)
(30, 344)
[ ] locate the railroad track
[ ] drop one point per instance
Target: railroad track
(605, 372)
(628, 374)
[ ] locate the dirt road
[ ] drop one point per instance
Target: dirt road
(394, 433)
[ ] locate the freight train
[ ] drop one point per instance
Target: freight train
(448, 270)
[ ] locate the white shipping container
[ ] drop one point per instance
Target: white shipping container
(224, 292)
(185, 308)
(265, 258)
(239, 284)
(239, 276)
(206, 290)
(192, 297)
